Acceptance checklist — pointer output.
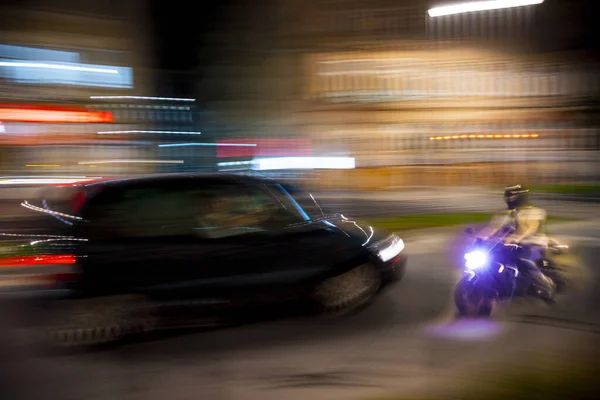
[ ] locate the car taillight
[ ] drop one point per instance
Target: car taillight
(47, 270)
(24, 261)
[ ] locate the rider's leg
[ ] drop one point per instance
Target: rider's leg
(532, 257)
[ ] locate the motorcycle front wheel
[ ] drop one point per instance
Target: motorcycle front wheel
(471, 300)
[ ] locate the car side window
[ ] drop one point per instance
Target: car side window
(142, 213)
(233, 211)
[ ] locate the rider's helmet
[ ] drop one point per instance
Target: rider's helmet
(516, 196)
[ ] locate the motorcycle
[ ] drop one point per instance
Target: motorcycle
(494, 272)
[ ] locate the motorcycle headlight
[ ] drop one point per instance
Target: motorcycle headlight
(389, 248)
(476, 259)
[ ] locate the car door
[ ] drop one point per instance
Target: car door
(263, 241)
(238, 245)
(140, 237)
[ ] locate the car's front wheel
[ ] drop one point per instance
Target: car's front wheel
(349, 292)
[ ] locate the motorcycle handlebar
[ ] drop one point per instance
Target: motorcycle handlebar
(497, 242)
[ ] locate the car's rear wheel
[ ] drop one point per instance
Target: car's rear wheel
(349, 292)
(96, 321)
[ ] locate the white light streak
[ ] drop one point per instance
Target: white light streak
(479, 6)
(55, 213)
(160, 132)
(233, 163)
(43, 181)
(276, 163)
(130, 162)
(56, 66)
(207, 144)
(143, 98)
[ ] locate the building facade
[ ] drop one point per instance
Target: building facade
(482, 97)
(55, 55)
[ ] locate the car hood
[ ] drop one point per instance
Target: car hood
(360, 232)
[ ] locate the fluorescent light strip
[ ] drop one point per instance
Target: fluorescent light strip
(167, 132)
(130, 162)
(56, 66)
(278, 163)
(480, 6)
(142, 98)
(207, 144)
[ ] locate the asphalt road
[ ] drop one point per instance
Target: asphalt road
(408, 341)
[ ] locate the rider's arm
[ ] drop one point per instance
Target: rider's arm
(529, 224)
(496, 223)
(528, 227)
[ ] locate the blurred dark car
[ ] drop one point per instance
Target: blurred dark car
(112, 257)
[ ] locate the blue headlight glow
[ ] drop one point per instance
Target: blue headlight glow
(476, 259)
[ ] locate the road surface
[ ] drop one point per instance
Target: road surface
(408, 341)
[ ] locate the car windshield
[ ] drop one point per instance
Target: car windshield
(305, 201)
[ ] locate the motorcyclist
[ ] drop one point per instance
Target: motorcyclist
(528, 225)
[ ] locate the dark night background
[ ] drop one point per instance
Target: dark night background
(180, 28)
(179, 35)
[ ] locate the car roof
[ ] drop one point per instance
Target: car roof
(165, 178)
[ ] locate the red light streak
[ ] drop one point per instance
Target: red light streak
(26, 261)
(31, 114)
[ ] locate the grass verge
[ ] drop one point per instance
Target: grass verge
(567, 189)
(422, 221)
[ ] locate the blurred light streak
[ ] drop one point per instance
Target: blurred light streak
(49, 115)
(143, 98)
(162, 132)
(130, 162)
(41, 180)
(207, 144)
(233, 163)
(42, 165)
(265, 147)
(43, 107)
(303, 163)
(30, 261)
(37, 54)
(533, 136)
(479, 6)
(56, 66)
(51, 212)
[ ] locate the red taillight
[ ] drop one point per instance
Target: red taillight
(48, 270)
(24, 261)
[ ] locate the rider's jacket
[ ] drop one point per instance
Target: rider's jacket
(521, 220)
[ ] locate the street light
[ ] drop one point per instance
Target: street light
(475, 6)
